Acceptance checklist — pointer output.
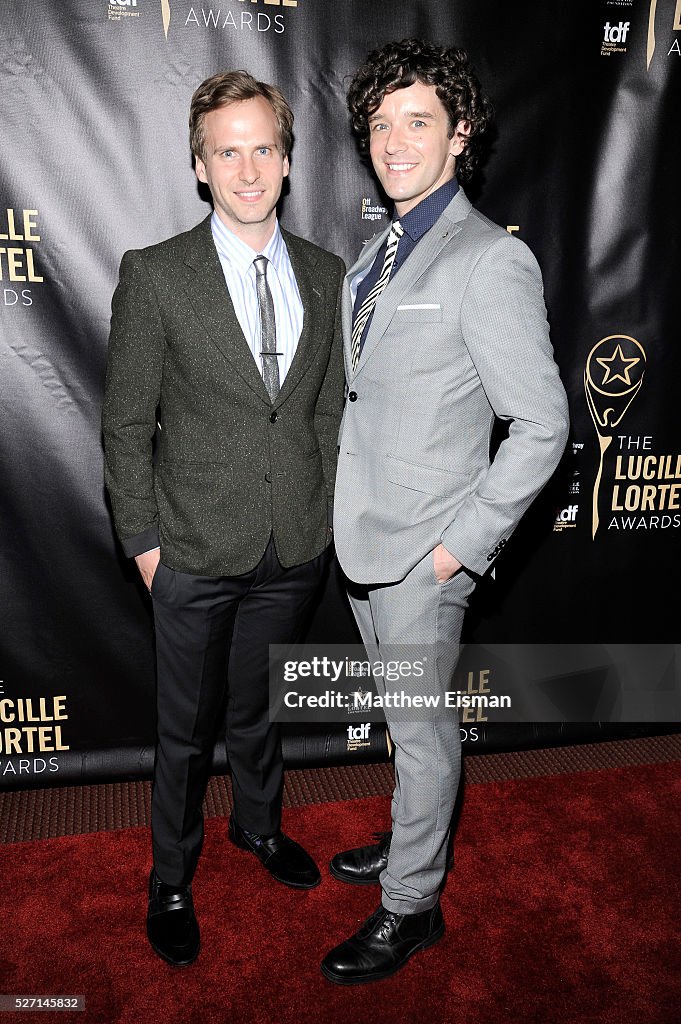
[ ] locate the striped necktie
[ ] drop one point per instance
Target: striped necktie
(367, 307)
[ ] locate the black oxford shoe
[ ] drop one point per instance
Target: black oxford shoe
(383, 944)
(285, 860)
(363, 865)
(172, 927)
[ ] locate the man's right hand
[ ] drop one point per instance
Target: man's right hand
(147, 563)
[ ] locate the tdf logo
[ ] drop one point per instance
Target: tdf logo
(359, 732)
(567, 515)
(615, 33)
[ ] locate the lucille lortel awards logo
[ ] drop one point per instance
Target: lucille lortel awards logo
(612, 378)
(639, 487)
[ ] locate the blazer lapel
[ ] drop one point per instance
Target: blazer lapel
(212, 304)
(310, 339)
(364, 261)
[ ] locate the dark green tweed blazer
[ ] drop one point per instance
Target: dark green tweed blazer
(232, 467)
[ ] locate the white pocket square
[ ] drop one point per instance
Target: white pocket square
(422, 305)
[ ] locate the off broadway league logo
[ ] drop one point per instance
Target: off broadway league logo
(612, 378)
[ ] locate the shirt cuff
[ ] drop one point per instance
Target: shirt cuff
(141, 542)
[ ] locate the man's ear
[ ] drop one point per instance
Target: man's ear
(200, 169)
(460, 138)
(286, 167)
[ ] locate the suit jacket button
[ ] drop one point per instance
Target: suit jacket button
(268, 478)
(353, 396)
(273, 416)
(490, 557)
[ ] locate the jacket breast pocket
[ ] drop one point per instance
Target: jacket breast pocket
(419, 313)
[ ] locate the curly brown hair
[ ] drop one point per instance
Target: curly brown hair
(399, 65)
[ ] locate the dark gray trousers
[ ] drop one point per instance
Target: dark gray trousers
(212, 652)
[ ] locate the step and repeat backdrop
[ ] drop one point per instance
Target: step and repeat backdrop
(584, 167)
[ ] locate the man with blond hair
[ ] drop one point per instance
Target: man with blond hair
(227, 335)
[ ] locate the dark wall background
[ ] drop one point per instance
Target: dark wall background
(584, 167)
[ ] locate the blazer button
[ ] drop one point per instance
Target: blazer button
(352, 396)
(268, 478)
(273, 416)
(490, 557)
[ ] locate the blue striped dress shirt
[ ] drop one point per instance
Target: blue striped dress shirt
(236, 259)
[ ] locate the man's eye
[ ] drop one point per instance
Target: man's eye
(264, 151)
(419, 124)
(379, 126)
(228, 152)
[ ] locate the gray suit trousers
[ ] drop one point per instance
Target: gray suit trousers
(428, 616)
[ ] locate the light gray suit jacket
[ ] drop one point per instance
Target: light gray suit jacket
(458, 337)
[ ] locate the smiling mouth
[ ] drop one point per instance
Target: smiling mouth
(250, 197)
(399, 168)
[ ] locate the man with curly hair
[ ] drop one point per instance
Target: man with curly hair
(445, 330)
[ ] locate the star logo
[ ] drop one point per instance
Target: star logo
(617, 367)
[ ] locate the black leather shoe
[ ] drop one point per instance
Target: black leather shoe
(383, 944)
(172, 927)
(285, 860)
(363, 865)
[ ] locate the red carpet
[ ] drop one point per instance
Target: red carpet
(564, 907)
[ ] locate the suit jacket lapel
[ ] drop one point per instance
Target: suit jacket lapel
(212, 304)
(310, 339)
(364, 261)
(426, 252)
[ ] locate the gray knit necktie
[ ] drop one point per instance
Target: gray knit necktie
(367, 307)
(268, 328)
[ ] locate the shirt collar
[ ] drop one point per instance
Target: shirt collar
(242, 255)
(276, 250)
(422, 217)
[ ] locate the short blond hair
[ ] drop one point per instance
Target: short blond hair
(233, 87)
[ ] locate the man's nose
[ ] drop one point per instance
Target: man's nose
(395, 140)
(249, 170)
